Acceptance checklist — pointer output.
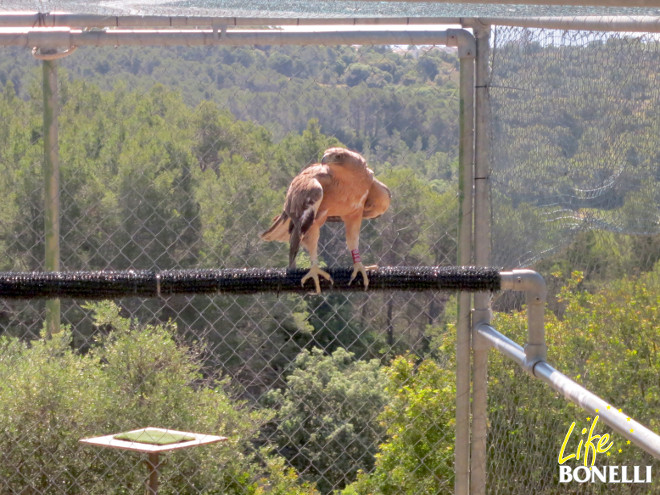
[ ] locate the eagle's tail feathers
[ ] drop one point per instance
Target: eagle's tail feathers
(279, 230)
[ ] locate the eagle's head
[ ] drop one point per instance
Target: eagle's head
(340, 156)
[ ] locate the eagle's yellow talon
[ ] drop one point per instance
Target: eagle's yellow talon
(314, 273)
(360, 268)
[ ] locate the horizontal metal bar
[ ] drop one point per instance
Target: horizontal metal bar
(649, 24)
(58, 39)
(155, 21)
(635, 23)
(631, 24)
(576, 393)
(147, 283)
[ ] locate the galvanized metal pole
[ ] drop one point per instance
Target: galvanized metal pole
(65, 39)
(482, 252)
(465, 181)
(628, 23)
(51, 174)
(87, 21)
(535, 295)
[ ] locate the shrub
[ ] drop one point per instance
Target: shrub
(605, 340)
(137, 375)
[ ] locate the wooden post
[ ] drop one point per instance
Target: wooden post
(152, 481)
(51, 171)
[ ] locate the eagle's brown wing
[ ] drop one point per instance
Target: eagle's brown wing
(302, 202)
(378, 200)
(377, 203)
(342, 187)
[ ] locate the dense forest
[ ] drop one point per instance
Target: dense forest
(178, 158)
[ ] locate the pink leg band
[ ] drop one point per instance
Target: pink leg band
(356, 255)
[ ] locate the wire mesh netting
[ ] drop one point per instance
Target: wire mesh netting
(319, 8)
(575, 195)
(578, 113)
(179, 159)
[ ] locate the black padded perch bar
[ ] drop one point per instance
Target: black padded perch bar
(149, 283)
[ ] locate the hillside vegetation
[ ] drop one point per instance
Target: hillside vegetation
(178, 158)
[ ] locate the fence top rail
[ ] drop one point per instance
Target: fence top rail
(160, 21)
(595, 3)
(66, 38)
(632, 23)
(149, 283)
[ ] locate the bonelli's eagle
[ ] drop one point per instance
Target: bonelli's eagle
(340, 188)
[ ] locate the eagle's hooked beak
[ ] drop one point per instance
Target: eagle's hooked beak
(328, 158)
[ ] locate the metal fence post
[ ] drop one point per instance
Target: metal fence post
(51, 171)
(466, 179)
(482, 249)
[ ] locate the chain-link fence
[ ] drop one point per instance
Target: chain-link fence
(180, 157)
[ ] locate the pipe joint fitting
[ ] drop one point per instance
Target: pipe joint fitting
(463, 39)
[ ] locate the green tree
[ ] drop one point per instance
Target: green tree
(418, 455)
(325, 417)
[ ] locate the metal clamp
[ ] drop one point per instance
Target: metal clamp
(51, 54)
(220, 31)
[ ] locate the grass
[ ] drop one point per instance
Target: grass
(154, 437)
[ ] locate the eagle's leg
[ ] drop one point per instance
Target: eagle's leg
(352, 241)
(310, 241)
